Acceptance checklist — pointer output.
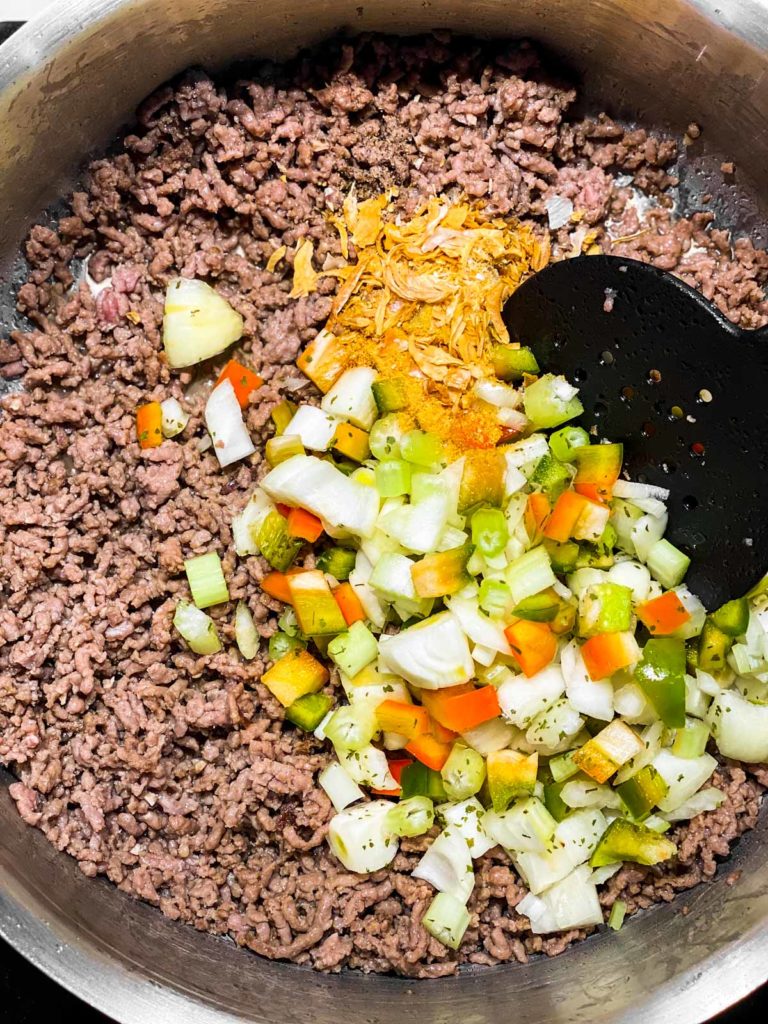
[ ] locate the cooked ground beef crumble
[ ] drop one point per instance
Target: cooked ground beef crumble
(172, 774)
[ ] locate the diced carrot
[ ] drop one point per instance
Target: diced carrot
(304, 525)
(663, 615)
(463, 711)
(608, 652)
(244, 380)
(276, 584)
(430, 751)
(408, 720)
(565, 515)
(533, 644)
(149, 425)
(349, 603)
(537, 510)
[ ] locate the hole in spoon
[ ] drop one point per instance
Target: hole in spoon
(579, 376)
(690, 503)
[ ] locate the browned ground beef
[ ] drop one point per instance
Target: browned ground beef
(175, 775)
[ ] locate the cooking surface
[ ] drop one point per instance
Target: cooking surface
(26, 995)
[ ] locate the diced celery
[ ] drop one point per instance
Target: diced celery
(563, 767)
(446, 920)
(278, 449)
(411, 817)
(489, 531)
(246, 635)
(550, 401)
(351, 727)
(691, 740)
(565, 441)
(617, 915)
(463, 773)
(385, 436)
(420, 448)
(337, 562)
(339, 786)
(605, 608)
(393, 478)
(307, 712)
(353, 650)
(206, 579)
(667, 563)
(495, 598)
(197, 628)
(281, 644)
(530, 574)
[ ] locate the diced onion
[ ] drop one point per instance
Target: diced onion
(447, 864)
(466, 818)
(630, 490)
(359, 837)
(197, 628)
(340, 788)
(174, 417)
(432, 654)
(246, 635)
(314, 427)
(559, 211)
(197, 322)
(224, 419)
(587, 696)
(740, 728)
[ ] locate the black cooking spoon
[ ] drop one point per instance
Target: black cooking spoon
(660, 369)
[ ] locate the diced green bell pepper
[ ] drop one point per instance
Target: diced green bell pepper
(337, 562)
(714, 645)
(511, 363)
(563, 556)
(389, 395)
(551, 476)
(605, 608)
(541, 607)
(554, 802)
(275, 543)
(624, 840)
(308, 711)
(418, 780)
(643, 791)
(732, 618)
(661, 676)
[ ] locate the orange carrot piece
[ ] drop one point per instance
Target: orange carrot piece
(533, 644)
(608, 652)
(429, 750)
(537, 511)
(304, 525)
(441, 733)
(663, 615)
(276, 585)
(244, 380)
(408, 720)
(349, 603)
(565, 515)
(149, 425)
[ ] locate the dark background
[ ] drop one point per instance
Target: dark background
(28, 997)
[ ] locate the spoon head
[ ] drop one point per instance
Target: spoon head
(686, 392)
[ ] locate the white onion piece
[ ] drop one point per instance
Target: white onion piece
(631, 491)
(447, 865)
(197, 322)
(174, 417)
(559, 211)
(224, 419)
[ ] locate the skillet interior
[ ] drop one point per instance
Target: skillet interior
(665, 63)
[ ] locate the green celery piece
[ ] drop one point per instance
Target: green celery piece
(495, 598)
(206, 579)
(607, 609)
(551, 475)
(661, 676)
(617, 915)
(275, 543)
(564, 442)
(463, 773)
(667, 564)
(420, 448)
(732, 618)
(490, 532)
(446, 920)
(282, 415)
(308, 711)
(714, 646)
(411, 817)
(563, 767)
(544, 408)
(353, 650)
(337, 562)
(691, 740)
(624, 840)
(643, 791)
(418, 780)
(393, 478)
(281, 644)
(511, 363)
